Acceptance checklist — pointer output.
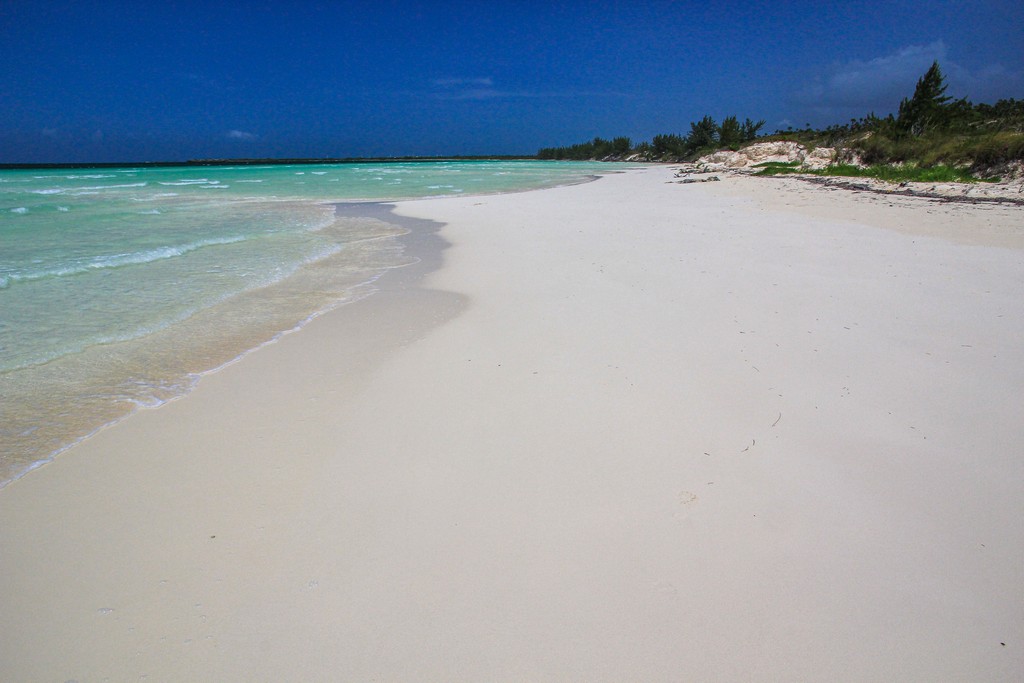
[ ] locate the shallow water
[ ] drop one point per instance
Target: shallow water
(119, 287)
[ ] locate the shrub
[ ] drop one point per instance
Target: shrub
(999, 148)
(887, 172)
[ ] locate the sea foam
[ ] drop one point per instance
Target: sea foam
(119, 260)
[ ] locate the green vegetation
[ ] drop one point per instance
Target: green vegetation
(598, 148)
(777, 164)
(932, 137)
(893, 174)
(705, 136)
(929, 131)
(928, 109)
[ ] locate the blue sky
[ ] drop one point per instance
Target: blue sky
(174, 80)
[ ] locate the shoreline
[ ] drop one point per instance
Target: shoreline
(41, 428)
(191, 370)
(613, 430)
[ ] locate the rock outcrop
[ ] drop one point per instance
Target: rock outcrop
(746, 161)
(768, 152)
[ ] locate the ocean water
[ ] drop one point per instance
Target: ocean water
(119, 287)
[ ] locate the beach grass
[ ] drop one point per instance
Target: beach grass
(893, 174)
(777, 164)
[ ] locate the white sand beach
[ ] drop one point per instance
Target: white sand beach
(753, 430)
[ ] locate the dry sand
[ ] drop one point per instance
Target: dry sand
(630, 430)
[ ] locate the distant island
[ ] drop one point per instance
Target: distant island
(268, 162)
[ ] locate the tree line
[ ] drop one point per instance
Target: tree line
(705, 135)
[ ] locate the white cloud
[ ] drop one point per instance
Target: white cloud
(874, 85)
(240, 135)
(987, 84)
(462, 82)
(465, 89)
(855, 88)
(484, 89)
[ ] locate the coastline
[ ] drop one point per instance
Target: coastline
(171, 376)
(151, 348)
(617, 430)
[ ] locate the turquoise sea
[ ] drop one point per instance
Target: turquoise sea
(119, 287)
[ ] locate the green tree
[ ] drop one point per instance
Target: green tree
(729, 133)
(668, 145)
(749, 129)
(703, 133)
(926, 110)
(601, 148)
